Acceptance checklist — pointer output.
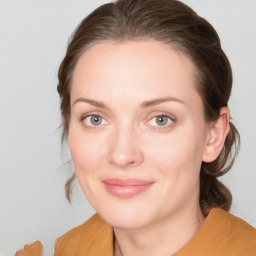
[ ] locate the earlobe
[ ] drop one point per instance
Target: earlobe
(217, 135)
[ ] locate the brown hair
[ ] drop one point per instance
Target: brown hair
(173, 23)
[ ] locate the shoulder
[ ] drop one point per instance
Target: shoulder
(235, 227)
(93, 235)
(233, 235)
(222, 234)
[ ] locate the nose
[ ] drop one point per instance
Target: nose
(124, 149)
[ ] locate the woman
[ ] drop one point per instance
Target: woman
(144, 90)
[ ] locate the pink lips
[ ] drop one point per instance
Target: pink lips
(126, 187)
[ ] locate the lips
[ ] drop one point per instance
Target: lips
(126, 188)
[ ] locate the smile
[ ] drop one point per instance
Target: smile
(126, 188)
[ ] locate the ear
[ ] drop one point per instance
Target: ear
(218, 132)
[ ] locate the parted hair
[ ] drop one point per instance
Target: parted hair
(173, 23)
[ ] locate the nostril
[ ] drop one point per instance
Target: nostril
(123, 149)
(122, 161)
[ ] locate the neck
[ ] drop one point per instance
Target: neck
(163, 238)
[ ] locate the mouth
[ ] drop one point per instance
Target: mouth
(126, 188)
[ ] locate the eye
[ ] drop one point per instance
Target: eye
(160, 120)
(94, 120)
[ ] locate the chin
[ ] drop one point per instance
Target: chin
(127, 215)
(126, 221)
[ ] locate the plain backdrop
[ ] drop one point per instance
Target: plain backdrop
(33, 40)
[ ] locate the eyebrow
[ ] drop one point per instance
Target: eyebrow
(154, 102)
(144, 104)
(91, 102)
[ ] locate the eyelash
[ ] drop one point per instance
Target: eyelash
(170, 121)
(91, 115)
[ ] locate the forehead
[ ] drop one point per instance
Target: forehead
(137, 69)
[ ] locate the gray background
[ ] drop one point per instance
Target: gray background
(33, 39)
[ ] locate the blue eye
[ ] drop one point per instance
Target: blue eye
(94, 120)
(161, 120)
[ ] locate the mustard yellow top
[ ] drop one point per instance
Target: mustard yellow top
(222, 234)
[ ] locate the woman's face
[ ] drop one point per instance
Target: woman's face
(137, 133)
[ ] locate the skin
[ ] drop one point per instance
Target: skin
(129, 143)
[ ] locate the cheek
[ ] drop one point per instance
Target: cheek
(176, 153)
(85, 152)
